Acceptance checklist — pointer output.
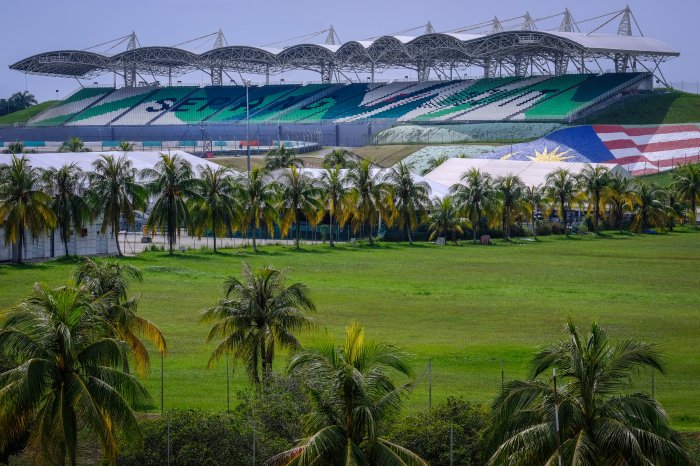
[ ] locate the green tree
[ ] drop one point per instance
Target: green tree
(561, 188)
(617, 194)
(68, 377)
(433, 164)
(173, 183)
(301, 195)
(411, 198)
(24, 207)
(686, 182)
(114, 192)
(511, 194)
(339, 158)
(477, 196)
(282, 158)
(73, 144)
(21, 100)
(108, 282)
(259, 314)
(592, 182)
(599, 423)
(535, 198)
(216, 206)
(372, 196)
(649, 202)
(126, 146)
(258, 197)
(444, 219)
(353, 391)
(337, 197)
(68, 201)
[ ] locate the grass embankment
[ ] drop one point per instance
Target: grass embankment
(23, 116)
(471, 309)
(673, 107)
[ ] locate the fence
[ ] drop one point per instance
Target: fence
(692, 87)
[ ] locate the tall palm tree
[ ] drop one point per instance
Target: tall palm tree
(24, 207)
(476, 195)
(650, 203)
(340, 158)
(686, 182)
(511, 194)
(617, 194)
(336, 196)
(73, 144)
(411, 198)
(444, 219)
(114, 192)
(22, 100)
(108, 282)
(561, 188)
(282, 158)
(68, 201)
(68, 376)
(535, 198)
(599, 423)
(216, 206)
(353, 391)
(592, 182)
(259, 314)
(258, 200)
(372, 196)
(676, 208)
(301, 195)
(173, 183)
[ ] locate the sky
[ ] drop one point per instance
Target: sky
(34, 26)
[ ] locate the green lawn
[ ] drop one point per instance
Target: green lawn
(673, 107)
(472, 309)
(23, 116)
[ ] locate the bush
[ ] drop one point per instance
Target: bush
(428, 434)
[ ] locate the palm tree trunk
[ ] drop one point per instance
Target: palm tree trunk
(330, 233)
(474, 223)
(596, 212)
(214, 232)
(20, 242)
(563, 214)
(255, 247)
(407, 222)
(694, 212)
(296, 222)
(534, 227)
(65, 244)
(115, 232)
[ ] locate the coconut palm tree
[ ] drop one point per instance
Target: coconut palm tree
(650, 203)
(511, 194)
(282, 158)
(173, 183)
(68, 201)
(476, 195)
(372, 197)
(108, 282)
(535, 198)
(617, 194)
(21, 100)
(340, 158)
(434, 163)
(114, 192)
(68, 377)
(353, 390)
(336, 196)
(216, 206)
(600, 423)
(676, 208)
(561, 188)
(301, 195)
(686, 182)
(592, 182)
(73, 144)
(444, 219)
(126, 146)
(259, 314)
(257, 195)
(411, 198)
(24, 207)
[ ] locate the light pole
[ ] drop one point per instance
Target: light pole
(247, 123)
(56, 94)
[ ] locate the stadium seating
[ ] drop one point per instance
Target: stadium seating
(64, 111)
(288, 101)
(111, 107)
(202, 104)
(154, 105)
(259, 97)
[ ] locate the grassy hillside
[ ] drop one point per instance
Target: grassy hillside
(23, 116)
(669, 108)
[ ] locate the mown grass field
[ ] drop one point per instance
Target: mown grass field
(673, 107)
(471, 309)
(23, 116)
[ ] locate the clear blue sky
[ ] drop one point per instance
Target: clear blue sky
(33, 26)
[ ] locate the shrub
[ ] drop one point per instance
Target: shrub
(428, 434)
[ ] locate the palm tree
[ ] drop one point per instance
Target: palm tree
(126, 146)
(650, 203)
(511, 193)
(353, 391)
(371, 194)
(282, 158)
(676, 208)
(560, 186)
(108, 283)
(444, 219)
(216, 206)
(67, 378)
(340, 158)
(599, 423)
(411, 198)
(258, 314)
(73, 144)
(592, 182)
(301, 195)
(337, 197)
(24, 207)
(686, 182)
(433, 164)
(114, 192)
(258, 198)
(617, 194)
(534, 196)
(173, 183)
(476, 195)
(21, 100)
(68, 203)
